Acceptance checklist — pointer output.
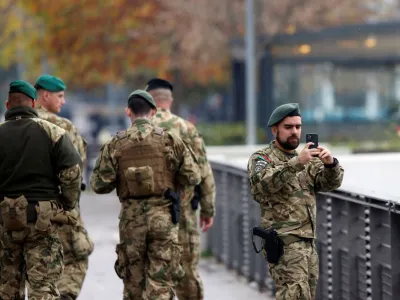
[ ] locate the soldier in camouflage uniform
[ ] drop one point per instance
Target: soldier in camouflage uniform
(40, 179)
(285, 184)
(191, 286)
(77, 244)
(145, 163)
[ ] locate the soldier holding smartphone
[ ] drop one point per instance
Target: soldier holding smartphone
(285, 183)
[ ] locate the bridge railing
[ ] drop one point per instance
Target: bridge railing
(358, 240)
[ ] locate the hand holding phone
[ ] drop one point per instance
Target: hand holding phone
(313, 138)
(310, 150)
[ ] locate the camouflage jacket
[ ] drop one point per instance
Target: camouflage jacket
(78, 141)
(106, 171)
(188, 133)
(286, 189)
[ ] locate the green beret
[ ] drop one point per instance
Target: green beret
(283, 111)
(20, 86)
(50, 83)
(144, 95)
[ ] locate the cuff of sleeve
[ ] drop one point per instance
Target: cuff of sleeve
(295, 164)
(332, 165)
(207, 214)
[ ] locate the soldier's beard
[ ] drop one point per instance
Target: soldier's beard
(291, 142)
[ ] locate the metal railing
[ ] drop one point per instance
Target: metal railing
(358, 240)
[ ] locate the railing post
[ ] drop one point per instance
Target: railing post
(245, 193)
(225, 217)
(356, 240)
(380, 252)
(215, 243)
(324, 234)
(339, 246)
(235, 217)
(395, 254)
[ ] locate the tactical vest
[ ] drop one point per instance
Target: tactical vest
(143, 170)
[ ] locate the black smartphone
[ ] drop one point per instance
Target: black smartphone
(312, 137)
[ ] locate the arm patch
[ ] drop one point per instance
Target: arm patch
(260, 165)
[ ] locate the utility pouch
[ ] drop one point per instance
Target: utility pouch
(140, 181)
(65, 217)
(14, 213)
(82, 244)
(44, 215)
(121, 264)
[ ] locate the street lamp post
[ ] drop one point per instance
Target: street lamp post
(251, 138)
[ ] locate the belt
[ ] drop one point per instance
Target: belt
(291, 238)
(31, 213)
(141, 197)
(136, 198)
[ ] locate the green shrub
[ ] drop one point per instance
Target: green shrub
(216, 134)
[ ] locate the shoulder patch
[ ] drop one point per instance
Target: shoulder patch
(261, 162)
(159, 130)
(264, 157)
(121, 134)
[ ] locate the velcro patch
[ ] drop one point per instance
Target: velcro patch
(264, 157)
(260, 164)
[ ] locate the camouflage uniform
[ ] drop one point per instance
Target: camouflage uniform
(148, 253)
(286, 191)
(77, 244)
(191, 286)
(35, 252)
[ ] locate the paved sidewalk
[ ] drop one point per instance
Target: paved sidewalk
(222, 284)
(100, 215)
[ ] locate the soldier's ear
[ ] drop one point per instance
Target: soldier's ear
(33, 103)
(7, 104)
(128, 112)
(274, 130)
(45, 95)
(153, 112)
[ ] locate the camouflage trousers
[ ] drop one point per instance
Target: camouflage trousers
(72, 279)
(77, 247)
(32, 256)
(149, 255)
(191, 286)
(296, 273)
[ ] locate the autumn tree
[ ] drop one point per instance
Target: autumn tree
(20, 34)
(94, 42)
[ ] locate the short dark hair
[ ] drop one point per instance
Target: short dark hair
(139, 106)
(38, 87)
(19, 99)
